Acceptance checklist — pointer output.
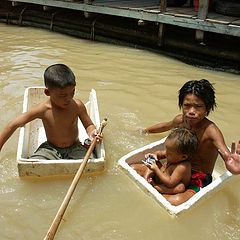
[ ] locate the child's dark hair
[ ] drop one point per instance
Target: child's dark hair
(59, 76)
(186, 140)
(201, 88)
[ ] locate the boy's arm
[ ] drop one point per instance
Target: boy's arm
(91, 131)
(164, 126)
(231, 158)
(173, 179)
(16, 123)
(86, 120)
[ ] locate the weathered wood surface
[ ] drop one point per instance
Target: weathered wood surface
(149, 10)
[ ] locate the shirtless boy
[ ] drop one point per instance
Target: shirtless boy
(173, 176)
(59, 114)
(197, 99)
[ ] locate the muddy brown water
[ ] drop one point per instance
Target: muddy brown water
(135, 88)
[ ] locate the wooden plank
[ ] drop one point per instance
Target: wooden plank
(235, 26)
(182, 10)
(222, 18)
(237, 22)
(124, 3)
(152, 11)
(217, 21)
(182, 15)
(156, 7)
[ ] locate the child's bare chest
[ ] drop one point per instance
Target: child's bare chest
(60, 118)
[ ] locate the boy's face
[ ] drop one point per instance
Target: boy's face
(172, 153)
(194, 109)
(61, 97)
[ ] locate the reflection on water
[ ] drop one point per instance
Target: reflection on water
(135, 88)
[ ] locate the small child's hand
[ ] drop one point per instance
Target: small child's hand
(151, 155)
(153, 167)
(150, 161)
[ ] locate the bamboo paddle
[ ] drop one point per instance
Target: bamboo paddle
(53, 229)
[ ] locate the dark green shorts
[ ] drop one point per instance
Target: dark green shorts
(49, 152)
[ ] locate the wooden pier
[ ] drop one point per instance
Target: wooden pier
(151, 10)
(149, 19)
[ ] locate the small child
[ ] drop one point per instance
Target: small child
(59, 114)
(173, 176)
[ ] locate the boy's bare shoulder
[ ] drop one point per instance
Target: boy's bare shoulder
(78, 102)
(178, 120)
(80, 106)
(40, 108)
(211, 128)
(44, 105)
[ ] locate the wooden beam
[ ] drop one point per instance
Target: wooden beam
(14, 4)
(203, 9)
(199, 36)
(202, 14)
(87, 14)
(161, 30)
(163, 5)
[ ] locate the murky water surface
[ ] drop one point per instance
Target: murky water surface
(135, 88)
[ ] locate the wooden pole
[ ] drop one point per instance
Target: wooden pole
(53, 229)
(161, 30)
(202, 14)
